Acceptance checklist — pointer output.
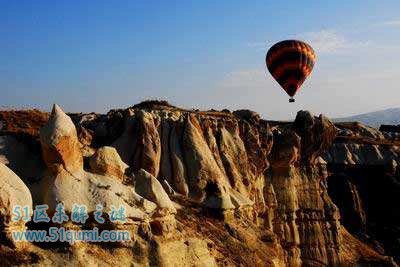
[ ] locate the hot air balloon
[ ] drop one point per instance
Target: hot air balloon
(290, 62)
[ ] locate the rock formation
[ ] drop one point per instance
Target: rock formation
(149, 187)
(13, 194)
(364, 179)
(106, 161)
(69, 183)
(211, 188)
(306, 220)
(60, 145)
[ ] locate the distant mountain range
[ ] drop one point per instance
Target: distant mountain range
(375, 119)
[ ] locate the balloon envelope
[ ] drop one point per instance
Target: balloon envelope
(290, 62)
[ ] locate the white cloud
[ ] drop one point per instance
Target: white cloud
(390, 23)
(331, 41)
(324, 41)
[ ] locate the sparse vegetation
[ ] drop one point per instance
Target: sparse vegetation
(153, 103)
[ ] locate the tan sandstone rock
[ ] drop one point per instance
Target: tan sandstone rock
(191, 252)
(60, 145)
(148, 147)
(206, 181)
(306, 220)
(70, 184)
(149, 187)
(106, 161)
(13, 192)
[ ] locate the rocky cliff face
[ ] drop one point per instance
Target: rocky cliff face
(200, 188)
(307, 221)
(364, 182)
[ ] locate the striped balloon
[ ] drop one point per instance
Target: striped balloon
(290, 62)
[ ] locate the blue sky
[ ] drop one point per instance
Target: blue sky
(98, 55)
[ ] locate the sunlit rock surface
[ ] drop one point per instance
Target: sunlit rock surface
(13, 194)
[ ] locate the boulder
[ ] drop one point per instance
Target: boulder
(60, 145)
(150, 188)
(13, 192)
(106, 161)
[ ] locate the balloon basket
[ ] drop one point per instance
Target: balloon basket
(291, 100)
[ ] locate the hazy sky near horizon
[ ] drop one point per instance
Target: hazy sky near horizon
(98, 55)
